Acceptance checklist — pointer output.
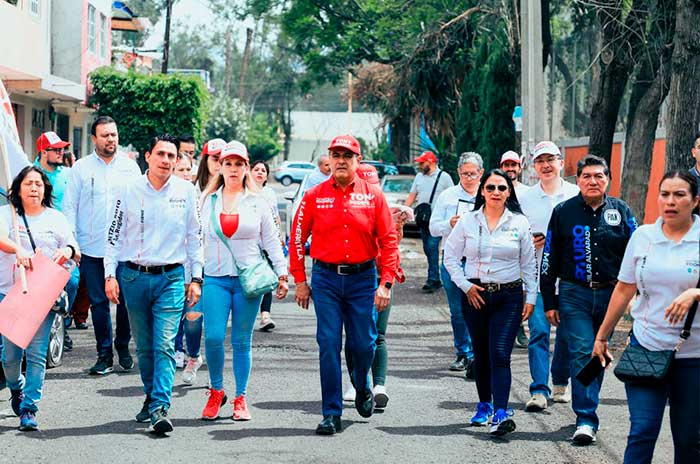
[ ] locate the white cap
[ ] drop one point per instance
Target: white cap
(546, 148)
(510, 155)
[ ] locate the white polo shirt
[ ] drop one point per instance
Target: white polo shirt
(501, 256)
(423, 186)
(446, 206)
(153, 227)
(662, 269)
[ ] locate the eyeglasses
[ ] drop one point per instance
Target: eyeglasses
(345, 155)
(491, 188)
(548, 160)
(469, 175)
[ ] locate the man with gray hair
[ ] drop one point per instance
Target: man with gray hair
(449, 206)
(321, 173)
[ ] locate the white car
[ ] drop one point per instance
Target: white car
(292, 171)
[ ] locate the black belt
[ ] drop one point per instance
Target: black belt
(346, 269)
(493, 287)
(152, 269)
(593, 285)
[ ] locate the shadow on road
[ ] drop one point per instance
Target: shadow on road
(308, 407)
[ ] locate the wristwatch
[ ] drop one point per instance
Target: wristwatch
(197, 280)
(388, 285)
(109, 277)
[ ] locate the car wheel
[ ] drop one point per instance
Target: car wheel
(54, 355)
(286, 181)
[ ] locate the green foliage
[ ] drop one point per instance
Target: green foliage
(144, 105)
(263, 140)
(228, 119)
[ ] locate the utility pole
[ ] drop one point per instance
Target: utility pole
(166, 39)
(532, 81)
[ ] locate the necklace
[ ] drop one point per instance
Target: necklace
(233, 203)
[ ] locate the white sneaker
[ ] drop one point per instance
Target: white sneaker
(380, 396)
(189, 375)
(349, 394)
(537, 403)
(266, 322)
(584, 435)
(560, 394)
(179, 359)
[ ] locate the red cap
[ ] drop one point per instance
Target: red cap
(213, 147)
(234, 148)
(428, 156)
(510, 155)
(368, 173)
(50, 140)
(346, 141)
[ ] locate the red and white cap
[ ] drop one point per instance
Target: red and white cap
(426, 156)
(368, 173)
(546, 148)
(50, 140)
(346, 141)
(213, 147)
(510, 155)
(234, 148)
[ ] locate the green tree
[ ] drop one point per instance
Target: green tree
(262, 139)
(228, 119)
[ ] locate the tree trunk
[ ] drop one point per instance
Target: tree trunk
(244, 66)
(227, 65)
(684, 94)
(400, 138)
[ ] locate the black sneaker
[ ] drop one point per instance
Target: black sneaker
(330, 425)
(144, 415)
(67, 342)
(16, 397)
(364, 403)
(81, 326)
(521, 340)
(431, 287)
(160, 424)
(103, 366)
(469, 373)
(125, 360)
(459, 364)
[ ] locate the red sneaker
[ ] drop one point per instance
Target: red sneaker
(240, 409)
(217, 398)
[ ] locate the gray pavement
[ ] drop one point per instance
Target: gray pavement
(86, 419)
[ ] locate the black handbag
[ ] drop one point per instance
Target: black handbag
(640, 365)
(423, 211)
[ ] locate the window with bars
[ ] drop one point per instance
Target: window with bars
(92, 39)
(103, 36)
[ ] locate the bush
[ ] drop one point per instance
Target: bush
(228, 119)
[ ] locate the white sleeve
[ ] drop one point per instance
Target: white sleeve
(71, 197)
(528, 261)
(195, 250)
(628, 267)
(440, 219)
(414, 185)
(116, 230)
(65, 231)
(453, 253)
(270, 239)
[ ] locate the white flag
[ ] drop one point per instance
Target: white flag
(16, 158)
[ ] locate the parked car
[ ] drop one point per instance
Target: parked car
(294, 199)
(396, 189)
(292, 172)
(408, 169)
(383, 169)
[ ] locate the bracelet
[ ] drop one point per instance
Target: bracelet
(604, 340)
(72, 251)
(283, 278)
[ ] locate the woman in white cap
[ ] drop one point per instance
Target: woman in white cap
(236, 221)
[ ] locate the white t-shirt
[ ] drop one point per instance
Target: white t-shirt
(662, 269)
(50, 231)
(423, 186)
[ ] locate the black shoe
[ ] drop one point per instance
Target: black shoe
(521, 340)
(81, 326)
(144, 415)
(330, 425)
(16, 397)
(125, 360)
(103, 366)
(364, 403)
(469, 373)
(459, 364)
(67, 343)
(431, 287)
(160, 424)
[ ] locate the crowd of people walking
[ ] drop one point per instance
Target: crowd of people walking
(179, 256)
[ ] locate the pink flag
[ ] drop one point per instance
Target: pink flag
(21, 314)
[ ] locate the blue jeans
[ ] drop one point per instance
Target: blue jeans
(154, 302)
(646, 406)
(36, 364)
(94, 272)
(460, 332)
(538, 353)
(190, 332)
(494, 328)
(582, 311)
(72, 291)
(221, 297)
(344, 301)
(431, 248)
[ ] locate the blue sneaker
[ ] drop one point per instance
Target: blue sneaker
(16, 397)
(27, 421)
(483, 411)
(501, 422)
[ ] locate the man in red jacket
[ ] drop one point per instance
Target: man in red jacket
(351, 224)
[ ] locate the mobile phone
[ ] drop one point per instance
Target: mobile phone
(592, 370)
(537, 234)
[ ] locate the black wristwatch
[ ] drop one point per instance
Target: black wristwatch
(197, 280)
(388, 285)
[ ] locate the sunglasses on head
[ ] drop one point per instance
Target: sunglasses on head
(491, 188)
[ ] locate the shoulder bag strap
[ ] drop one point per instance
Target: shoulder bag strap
(437, 181)
(29, 232)
(685, 333)
(217, 228)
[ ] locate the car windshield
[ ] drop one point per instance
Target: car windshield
(397, 185)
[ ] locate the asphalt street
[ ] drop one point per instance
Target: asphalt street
(87, 419)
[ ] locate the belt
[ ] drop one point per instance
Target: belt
(593, 285)
(346, 269)
(152, 269)
(492, 287)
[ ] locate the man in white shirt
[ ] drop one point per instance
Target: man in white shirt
(322, 172)
(538, 203)
(155, 232)
(429, 183)
(450, 205)
(86, 204)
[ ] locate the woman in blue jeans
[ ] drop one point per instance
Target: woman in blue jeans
(661, 265)
(499, 253)
(236, 221)
(47, 229)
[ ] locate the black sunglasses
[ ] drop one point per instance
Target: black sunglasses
(491, 188)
